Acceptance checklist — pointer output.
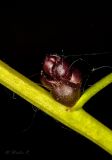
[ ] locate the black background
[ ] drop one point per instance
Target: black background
(26, 36)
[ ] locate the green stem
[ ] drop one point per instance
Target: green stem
(79, 121)
(90, 92)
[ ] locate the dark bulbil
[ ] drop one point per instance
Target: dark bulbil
(63, 80)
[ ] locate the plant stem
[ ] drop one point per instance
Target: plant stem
(79, 121)
(90, 92)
